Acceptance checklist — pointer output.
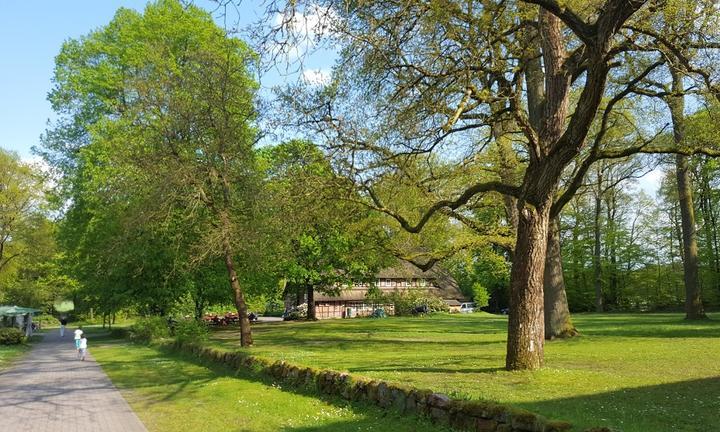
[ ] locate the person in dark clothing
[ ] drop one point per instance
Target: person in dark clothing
(63, 323)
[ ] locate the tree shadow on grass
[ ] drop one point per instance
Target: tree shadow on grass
(685, 406)
(646, 325)
(441, 370)
(372, 423)
(125, 377)
(360, 326)
(367, 417)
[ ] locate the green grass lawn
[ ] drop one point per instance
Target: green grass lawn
(172, 392)
(652, 372)
(10, 353)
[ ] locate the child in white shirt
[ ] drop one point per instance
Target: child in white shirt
(83, 347)
(78, 334)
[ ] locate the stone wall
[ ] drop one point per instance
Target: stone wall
(464, 415)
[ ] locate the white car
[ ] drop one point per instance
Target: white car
(467, 307)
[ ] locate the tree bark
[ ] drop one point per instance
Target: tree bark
(693, 301)
(526, 321)
(245, 332)
(558, 323)
(526, 332)
(558, 141)
(311, 315)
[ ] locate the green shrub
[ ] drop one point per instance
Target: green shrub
(191, 331)
(481, 296)
(406, 301)
(148, 329)
(11, 336)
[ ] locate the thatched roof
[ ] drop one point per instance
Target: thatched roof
(440, 283)
(405, 270)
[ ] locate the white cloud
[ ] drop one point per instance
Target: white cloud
(37, 162)
(316, 76)
(650, 182)
(301, 30)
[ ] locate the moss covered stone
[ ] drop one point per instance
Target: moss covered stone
(465, 415)
(485, 425)
(557, 426)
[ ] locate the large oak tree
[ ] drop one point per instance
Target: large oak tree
(428, 77)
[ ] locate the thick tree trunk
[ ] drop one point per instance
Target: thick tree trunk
(552, 146)
(557, 314)
(693, 301)
(311, 315)
(526, 332)
(245, 332)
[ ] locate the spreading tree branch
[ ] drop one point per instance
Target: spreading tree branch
(466, 196)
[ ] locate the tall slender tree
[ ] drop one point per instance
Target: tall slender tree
(167, 92)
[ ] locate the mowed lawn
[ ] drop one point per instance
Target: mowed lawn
(648, 372)
(172, 392)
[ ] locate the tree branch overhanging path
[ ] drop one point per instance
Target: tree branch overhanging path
(416, 83)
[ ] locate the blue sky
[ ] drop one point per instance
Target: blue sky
(31, 34)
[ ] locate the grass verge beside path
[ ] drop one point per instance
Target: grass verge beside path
(10, 353)
(173, 392)
(633, 373)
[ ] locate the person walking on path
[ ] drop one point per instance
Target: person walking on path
(49, 391)
(83, 347)
(78, 335)
(63, 323)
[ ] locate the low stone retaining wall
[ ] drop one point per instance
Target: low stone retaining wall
(460, 414)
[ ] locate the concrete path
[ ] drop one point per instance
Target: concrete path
(51, 390)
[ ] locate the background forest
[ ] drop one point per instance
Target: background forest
(613, 235)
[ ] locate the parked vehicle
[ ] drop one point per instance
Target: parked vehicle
(467, 307)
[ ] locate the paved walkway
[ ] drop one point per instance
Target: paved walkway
(51, 390)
